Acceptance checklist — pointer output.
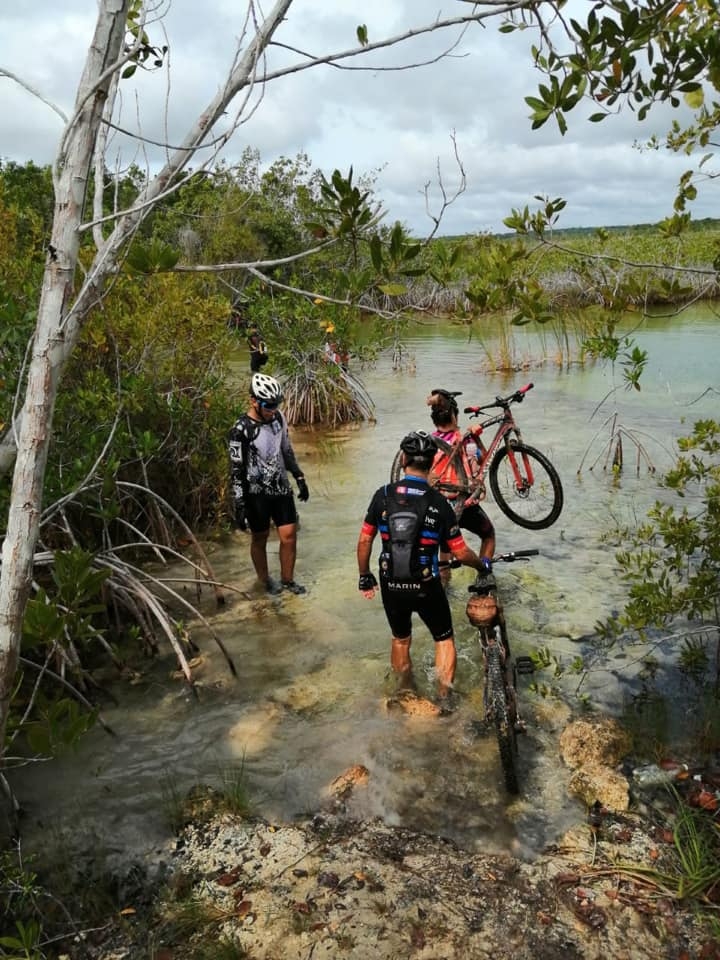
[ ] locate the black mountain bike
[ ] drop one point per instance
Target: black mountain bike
(501, 668)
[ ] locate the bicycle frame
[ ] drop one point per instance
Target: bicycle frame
(506, 426)
(524, 483)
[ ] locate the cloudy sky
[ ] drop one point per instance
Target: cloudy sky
(399, 124)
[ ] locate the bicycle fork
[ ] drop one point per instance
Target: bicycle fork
(520, 465)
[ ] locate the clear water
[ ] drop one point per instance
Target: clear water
(309, 699)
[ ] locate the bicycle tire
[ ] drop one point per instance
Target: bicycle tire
(396, 470)
(541, 503)
(504, 726)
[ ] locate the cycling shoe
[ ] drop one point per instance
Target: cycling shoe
(292, 587)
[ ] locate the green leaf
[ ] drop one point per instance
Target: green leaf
(694, 98)
(393, 289)
(376, 252)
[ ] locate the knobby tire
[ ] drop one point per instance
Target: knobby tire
(396, 470)
(504, 726)
(542, 503)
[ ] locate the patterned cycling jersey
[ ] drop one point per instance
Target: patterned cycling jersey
(261, 456)
(445, 465)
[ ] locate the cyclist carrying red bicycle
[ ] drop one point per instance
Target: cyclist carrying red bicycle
(444, 413)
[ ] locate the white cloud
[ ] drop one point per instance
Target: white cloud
(397, 122)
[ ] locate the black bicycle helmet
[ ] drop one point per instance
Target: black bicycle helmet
(419, 446)
(443, 405)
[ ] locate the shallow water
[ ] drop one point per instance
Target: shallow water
(309, 699)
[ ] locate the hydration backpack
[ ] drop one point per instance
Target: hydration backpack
(403, 565)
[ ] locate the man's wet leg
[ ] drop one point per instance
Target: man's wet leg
(401, 662)
(445, 664)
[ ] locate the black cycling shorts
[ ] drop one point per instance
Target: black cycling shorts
(431, 605)
(474, 519)
(260, 509)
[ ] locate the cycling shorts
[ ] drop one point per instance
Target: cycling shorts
(261, 509)
(474, 519)
(431, 605)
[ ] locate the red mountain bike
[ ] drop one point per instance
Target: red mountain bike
(524, 484)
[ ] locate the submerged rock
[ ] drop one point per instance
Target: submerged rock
(355, 776)
(593, 749)
(414, 706)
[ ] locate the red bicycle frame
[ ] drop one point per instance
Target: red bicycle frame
(507, 424)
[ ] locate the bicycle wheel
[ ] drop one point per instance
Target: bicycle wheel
(504, 726)
(396, 470)
(526, 486)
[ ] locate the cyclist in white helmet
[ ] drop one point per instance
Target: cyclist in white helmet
(261, 457)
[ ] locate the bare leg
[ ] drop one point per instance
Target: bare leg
(400, 660)
(445, 663)
(258, 554)
(487, 547)
(288, 550)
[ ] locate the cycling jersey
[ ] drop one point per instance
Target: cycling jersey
(438, 530)
(261, 456)
(445, 464)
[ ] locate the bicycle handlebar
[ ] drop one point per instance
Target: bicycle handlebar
(510, 557)
(503, 402)
(515, 555)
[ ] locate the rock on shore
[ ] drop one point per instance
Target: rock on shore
(330, 887)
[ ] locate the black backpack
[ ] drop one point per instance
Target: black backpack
(403, 566)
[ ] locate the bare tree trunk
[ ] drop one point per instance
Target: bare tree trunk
(53, 342)
(62, 309)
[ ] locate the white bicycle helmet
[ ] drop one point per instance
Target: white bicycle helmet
(263, 387)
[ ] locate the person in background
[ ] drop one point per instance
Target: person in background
(261, 457)
(444, 414)
(415, 522)
(258, 350)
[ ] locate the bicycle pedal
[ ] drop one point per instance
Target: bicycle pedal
(524, 665)
(520, 726)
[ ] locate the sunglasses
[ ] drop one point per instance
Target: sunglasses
(267, 405)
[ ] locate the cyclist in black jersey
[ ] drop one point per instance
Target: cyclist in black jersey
(261, 457)
(415, 522)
